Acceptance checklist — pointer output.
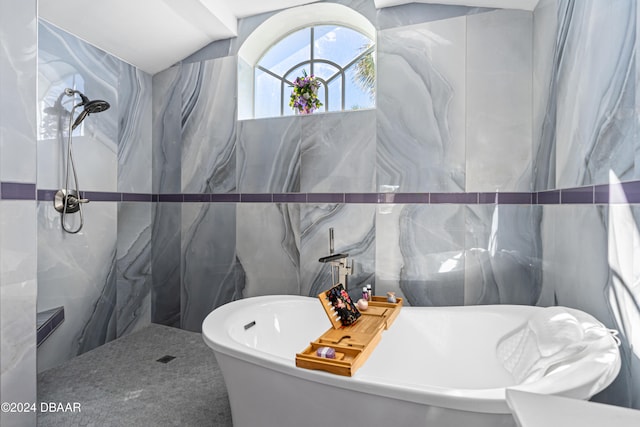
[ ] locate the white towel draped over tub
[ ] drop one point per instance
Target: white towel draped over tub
(547, 340)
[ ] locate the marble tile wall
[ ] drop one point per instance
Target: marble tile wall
(166, 178)
(499, 92)
(18, 283)
(595, 114)
(479, 118)
(429, 133)
(174, 257)
(586, 127)
(421, 106)
(102, 275)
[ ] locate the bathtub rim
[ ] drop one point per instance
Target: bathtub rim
(490, 400)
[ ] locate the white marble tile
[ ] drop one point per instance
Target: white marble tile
(623, 252)
(574, 239)
(18, 268)
(167, 131)
(268, 248)
(268, 155)
(245, 90)
(210, 273)
(588, 265)
(545, 52)
(18, 67)
(133, 293)
(76, 272)
(502, 255)
(623, 237)
(354, 233)
(65, 61)
(499, 96)
(134, 132)
(421, 106)
(636, 78)
(595, 98)
(420, 253)
(18, 290)
(416, 13)
(338, 152)
(165, 263)
(209, 115)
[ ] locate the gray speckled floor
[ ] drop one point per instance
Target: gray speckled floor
(122, 384)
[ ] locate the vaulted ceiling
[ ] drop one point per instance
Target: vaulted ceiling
(155, 34)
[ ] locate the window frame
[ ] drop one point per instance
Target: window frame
(311, 61)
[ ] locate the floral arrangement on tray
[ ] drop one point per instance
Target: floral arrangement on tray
(304, 96)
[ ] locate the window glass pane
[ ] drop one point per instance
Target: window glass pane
(324, 71)
(286, 110)
(288, 52)
(356, 97)
(298, 72)
(335, 94)
(338, 44)
(322, 96)
(267, 91)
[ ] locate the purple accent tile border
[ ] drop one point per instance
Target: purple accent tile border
(457, 198)
(626, 192)
(102, 196)
(551, 197)
(197, 197)
(225, 198)
(601, 193)
(361, 198)
(632, 191)
(256, 198)
(514, 198)
(488, 198)
(325, 197)
(290, 198)
(17, 191)
(577, 195)
(137, 197)
(170, 198)
(403, 198)
(623, 193)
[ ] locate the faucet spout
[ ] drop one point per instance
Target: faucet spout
(334, 257)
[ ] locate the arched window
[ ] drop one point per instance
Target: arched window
(339, 57)
(337, 48)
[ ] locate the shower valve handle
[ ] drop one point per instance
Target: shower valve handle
(67, 201)
(73, 200)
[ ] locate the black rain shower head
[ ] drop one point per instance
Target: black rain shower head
(95, 106)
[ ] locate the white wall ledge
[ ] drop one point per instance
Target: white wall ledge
(497, 4)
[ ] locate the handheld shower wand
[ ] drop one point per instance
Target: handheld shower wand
(67, 200)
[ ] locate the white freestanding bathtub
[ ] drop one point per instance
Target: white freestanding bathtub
(433, 366)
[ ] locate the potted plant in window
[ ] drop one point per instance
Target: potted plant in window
(304, 96)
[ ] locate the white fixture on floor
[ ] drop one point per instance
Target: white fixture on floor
(541, 410)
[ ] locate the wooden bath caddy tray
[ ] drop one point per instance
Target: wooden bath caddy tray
(354, 343)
